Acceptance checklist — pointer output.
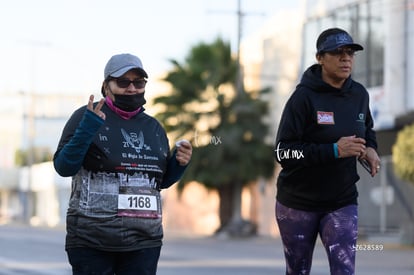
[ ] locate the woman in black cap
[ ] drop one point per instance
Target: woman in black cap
(325, 128)
(119, 159)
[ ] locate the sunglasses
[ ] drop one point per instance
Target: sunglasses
(340, 52)
(125, 82)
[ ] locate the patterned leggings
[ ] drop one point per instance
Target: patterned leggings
(299, 229)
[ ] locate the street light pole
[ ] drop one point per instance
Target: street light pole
(29, 203)
(239, 83)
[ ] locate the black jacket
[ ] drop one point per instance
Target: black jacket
(314, 118)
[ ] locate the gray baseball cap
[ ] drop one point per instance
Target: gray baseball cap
(121, 63)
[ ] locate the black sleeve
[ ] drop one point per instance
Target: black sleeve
(76, 138)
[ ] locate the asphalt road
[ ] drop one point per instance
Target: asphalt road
(39, 251)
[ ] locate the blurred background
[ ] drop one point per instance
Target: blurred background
(52, 55)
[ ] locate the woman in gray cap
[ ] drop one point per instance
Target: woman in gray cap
(119, 159)
(325, 128)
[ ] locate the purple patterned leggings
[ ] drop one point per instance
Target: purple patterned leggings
(337, 229)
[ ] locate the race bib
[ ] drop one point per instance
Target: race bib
(142, 202)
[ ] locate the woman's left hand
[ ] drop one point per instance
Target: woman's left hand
(373, 159)
(184, 152)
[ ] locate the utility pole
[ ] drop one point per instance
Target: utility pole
(240, 16)
(28, 195)
(239, 83)
(236, 225)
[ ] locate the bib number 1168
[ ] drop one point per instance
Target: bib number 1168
(137, 202)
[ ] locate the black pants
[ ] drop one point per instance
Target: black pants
(87, 261)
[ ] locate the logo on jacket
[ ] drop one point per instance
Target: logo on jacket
(361, 117)
(325, 117)
(134, 140)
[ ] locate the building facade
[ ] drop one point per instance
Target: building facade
(31, 191)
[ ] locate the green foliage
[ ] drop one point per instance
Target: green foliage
(403, 154)
(236, 151)
(206, 67)
(225, 127)
(32, 156)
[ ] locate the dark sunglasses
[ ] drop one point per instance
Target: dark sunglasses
(340, 52)
(125, 82)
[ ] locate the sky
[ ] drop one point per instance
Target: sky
(62, 46)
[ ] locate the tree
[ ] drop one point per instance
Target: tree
(403, 154)
(32, 155)
(226, 128)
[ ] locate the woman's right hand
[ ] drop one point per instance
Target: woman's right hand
(351, 146)
(97, 109)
